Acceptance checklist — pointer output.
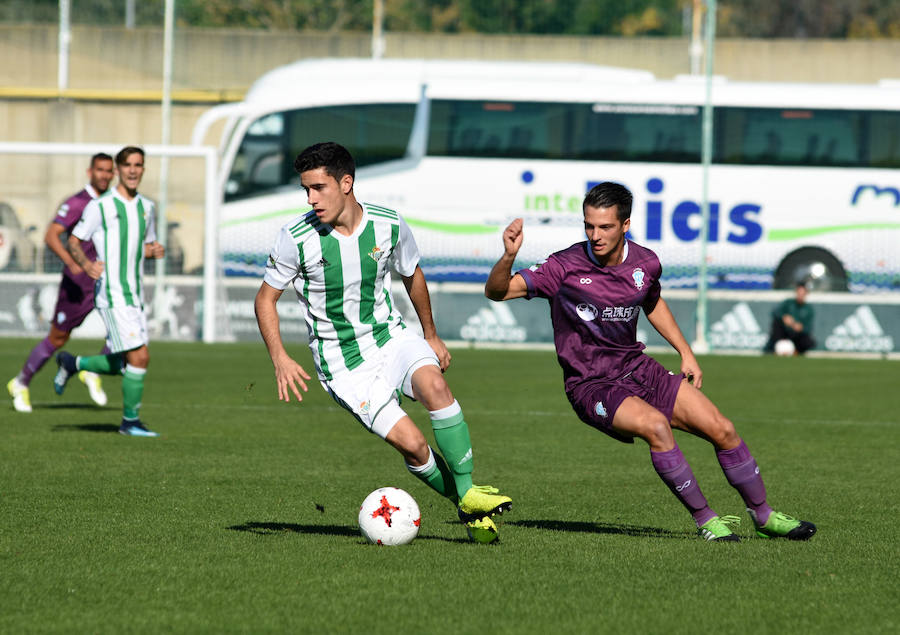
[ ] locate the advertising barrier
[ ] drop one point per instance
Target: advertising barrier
(738, 321)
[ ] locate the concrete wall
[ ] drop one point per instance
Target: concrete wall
(116, 77)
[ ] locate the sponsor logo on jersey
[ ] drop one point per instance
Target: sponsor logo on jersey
(860, 331)
(620, 313)
(585, 280)
(737, 329)
(493, 323)
(376, 253)
(600, 409)
(638, 276)
(586, 311)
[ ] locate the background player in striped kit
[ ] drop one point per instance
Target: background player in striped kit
(121, 226)
(339, 258)
(76, 289)
(597, 289)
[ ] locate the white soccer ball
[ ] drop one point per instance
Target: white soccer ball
(784, 348)
(389, 516)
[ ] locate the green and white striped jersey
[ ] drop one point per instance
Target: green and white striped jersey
(118, 228)
(343, 283)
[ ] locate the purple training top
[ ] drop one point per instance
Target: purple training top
(68, 215)
(595, 309)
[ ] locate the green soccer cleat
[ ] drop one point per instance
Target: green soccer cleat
(483, 530)
(716, 528)
(20, 395)
(783, 526)
(482, 501)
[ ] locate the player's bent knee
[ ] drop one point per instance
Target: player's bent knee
(431, 389)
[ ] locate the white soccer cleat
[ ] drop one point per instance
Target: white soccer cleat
(20, 395)
(95, 388)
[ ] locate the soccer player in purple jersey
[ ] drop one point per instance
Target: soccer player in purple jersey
(596, 291)
(76, 289)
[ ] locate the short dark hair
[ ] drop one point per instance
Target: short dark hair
(334, 157)
(607, 194)
(100, 156)
(126, 152)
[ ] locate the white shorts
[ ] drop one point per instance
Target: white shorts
(126, 328)
(371, 391)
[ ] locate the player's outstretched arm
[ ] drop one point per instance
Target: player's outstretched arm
(288, 373)
(94, 268)
(417, 289)
(664, 322)
(54, 242)
(501, 284)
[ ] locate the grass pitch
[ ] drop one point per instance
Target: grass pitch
(242, 516)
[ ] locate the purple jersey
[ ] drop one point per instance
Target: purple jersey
(68, 215)
(595, 309)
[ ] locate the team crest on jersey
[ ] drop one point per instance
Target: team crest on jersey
(600, 409)
(638, 276)
(63, 210)
(376, 253)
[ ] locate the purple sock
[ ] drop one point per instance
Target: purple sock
(674, 470)
(742, 472)
(38, 357)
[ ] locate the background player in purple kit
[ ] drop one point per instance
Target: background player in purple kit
(596, 291)
(76, 289)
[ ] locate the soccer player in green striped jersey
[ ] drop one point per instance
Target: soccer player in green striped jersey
(121, 225)
(339, 257)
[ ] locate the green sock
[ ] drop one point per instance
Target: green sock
(104, 364)
(132, 391)
(436, 475)
(452, 437)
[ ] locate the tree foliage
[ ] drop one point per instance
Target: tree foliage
(736, 18)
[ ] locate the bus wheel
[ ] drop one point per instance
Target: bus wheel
(815, 267)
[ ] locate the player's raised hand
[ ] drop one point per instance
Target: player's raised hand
(512, 237)
(288, 376)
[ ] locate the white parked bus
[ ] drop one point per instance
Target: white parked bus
(805, 181)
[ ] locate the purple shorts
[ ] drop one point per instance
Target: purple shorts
(596, 402)
(75, 301)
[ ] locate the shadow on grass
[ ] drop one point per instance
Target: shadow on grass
(86, 427)
(73, 406)
(600, 528)
(268, 529)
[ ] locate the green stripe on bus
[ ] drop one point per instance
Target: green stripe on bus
(794, 234)
(267, 216)
(334, 302)
(452, 228)
(123, 252)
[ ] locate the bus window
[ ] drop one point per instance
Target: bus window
(373, 133)
(639, 132)
(883, 139)
(497, 129)
(799, 136)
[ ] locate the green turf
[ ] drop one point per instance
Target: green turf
(242, 516)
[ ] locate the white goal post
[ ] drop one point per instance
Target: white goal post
(212, 199)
